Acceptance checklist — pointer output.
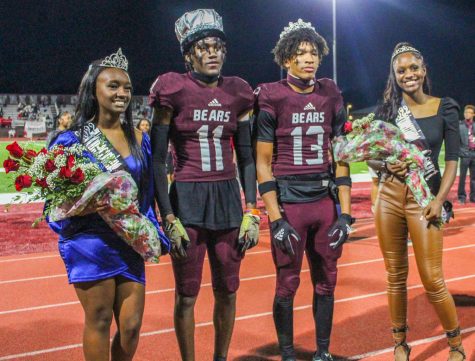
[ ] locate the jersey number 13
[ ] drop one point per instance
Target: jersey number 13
(297, 134)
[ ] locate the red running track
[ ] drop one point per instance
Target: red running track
(40, 318)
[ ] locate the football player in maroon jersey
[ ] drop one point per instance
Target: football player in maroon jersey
(200, 112)
(297, 119)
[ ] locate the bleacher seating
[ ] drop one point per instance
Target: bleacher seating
(50, 105)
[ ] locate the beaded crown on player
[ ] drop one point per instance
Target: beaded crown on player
(197, 24)
(299, 24)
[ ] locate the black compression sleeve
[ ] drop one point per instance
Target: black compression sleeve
(245, 160)
(338, 123)
(266, 125)
(159, 137)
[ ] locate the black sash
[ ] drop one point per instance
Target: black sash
(101, 148)
(413, 134)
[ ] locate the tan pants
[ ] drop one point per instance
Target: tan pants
(396, 214)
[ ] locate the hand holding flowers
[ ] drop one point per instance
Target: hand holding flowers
(73, 185)
(371, 139)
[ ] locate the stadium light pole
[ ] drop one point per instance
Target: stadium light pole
(334, 41)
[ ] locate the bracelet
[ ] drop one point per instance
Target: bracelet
(253, 211)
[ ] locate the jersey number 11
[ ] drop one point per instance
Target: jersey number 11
(205, 148)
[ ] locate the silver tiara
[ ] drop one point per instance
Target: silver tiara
(404, 49)
(299, 24)
(116, 60)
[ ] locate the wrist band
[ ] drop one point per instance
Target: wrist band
(253, 211)
(267, 187)
(343, 181)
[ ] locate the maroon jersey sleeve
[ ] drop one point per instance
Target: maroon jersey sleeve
(264, 101)
(244, 96)
(339, 112)
(164, 89)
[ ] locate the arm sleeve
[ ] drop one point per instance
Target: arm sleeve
(149, 200)
(245, 160)
(266, 126)
(159, 159)
(450, 113)
(339, 110)
(339, 122)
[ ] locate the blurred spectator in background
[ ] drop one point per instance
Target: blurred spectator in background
(144, 125)
(467, 154)
(64, 122)
(44, 100)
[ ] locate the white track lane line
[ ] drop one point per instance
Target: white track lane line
(244, 279)
(413, 343)
(361, 220)
(258, 252)
(247, 317)
(29, 258)
(147, 265)
(250, 253)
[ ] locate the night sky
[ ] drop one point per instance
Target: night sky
(46, 46)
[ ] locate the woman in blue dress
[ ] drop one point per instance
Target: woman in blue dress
(107, 274)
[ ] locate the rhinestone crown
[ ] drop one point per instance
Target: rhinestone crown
(404, 49)
(116, 60)
(299, 24)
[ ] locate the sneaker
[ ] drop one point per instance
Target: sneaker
(324, 356)
(461, 201)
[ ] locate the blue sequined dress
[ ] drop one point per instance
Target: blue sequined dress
(90, 249)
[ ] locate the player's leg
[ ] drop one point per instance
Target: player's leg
(188, 274)
(225, 262)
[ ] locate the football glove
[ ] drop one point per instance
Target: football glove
(178, 237)
(249, 231)
(340, 230)
(284, 236)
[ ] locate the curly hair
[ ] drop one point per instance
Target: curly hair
(287, 46)
(392, 95)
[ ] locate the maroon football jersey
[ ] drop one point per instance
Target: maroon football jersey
(204, 122)
(303, 125)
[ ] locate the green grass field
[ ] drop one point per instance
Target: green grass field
(7, 180)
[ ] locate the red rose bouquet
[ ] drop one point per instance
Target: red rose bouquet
(69, 181)
(57, 175)
(371, 139)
